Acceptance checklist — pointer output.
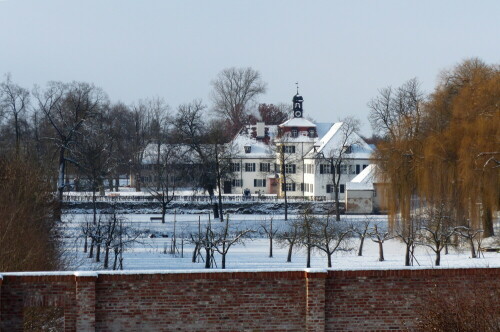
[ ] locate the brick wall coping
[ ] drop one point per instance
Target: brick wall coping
(142, 272)
(248, 272)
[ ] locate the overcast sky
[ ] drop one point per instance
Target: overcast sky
(340, 52)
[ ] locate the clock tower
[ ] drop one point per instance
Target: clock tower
(297, 105)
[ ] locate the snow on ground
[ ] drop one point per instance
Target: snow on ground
(148, 253)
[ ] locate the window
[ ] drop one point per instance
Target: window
(347, 149)
(290, 169)
(289, 187)
(342, 188)
(289, 148)
(343, 169)
(311, 188)
(308, 187)
(365, 166)
(352, 170)
(358, 169)
(325, 169)
(236, 183)
(309, 169)
(295, 132)
(249, 167)
(234, 167)
(312, 133)
(259, 182)
(265, 167)
(329, 188)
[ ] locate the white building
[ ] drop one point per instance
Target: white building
(305, 150)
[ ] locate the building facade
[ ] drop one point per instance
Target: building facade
(297, 157)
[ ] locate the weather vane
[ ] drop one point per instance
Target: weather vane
(297, 84)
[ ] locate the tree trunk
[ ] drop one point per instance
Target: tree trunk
(98, 252)
(60, 185)
(137, 181)
(308, 256)
(91, 251)
(195, 253)
(163, 213)
(116, 258)
(289, 256)
(329, 259)
(18, 135)
(207, 260)
(472, 248)
(337, 203)
(215, 207)
(85, 245)
(224, 261)
(407, 254)
(360, 250)
(487, 220)
(106, 257)
(271, 246)
(438, 257)
(286, 204)
(380, 251)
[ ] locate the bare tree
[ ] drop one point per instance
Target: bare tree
(289, 237)
(407, 232)
(234, 90)
(306, 232)
(378, 236)
(226, 236)
(330, 236)
(270, 233)
(66, 107)
(436, 230)
(14, 101)
(361, 230)
(336, 155)
(470, 234)
(211, 150)
(274, 114)
(139, 139)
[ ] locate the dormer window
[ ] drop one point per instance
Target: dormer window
(295, 132)
(347, 149)
(248, 148)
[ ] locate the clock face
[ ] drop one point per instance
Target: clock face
(298, 114)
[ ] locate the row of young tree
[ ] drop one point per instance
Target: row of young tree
(441, 151)
(307, 231)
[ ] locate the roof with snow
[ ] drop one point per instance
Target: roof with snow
(258, 147)
(171, 152)
(332, 143)
(297, 122)
(365, 179)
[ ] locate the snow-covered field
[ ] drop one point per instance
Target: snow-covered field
(148, 252)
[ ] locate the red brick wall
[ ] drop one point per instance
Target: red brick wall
(388, 299)
(235, 301)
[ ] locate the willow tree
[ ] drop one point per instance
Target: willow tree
(444, 150)
(396, 115)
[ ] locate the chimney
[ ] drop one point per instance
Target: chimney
(261, 129)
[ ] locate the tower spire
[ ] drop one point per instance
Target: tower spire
(297, 103)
